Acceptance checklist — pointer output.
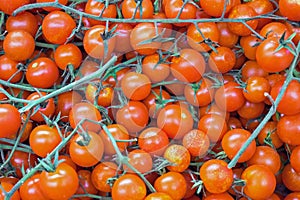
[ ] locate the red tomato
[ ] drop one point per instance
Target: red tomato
(251, 110)
(85, 184)
(129, 8)
(104, 97)
(288, 129)
(156, 70)
(7, 187)
(290, 9)
(290, 178)
(270, 129)
(140, 160)
(158, 196)
(68, 54)
(251, 68)
(261, 7)
(22, 160)
(9, 70)
(218, 7)
(31, 189)
(179, 156)
(295, 159)
(123, 37)
(196, 142)
(49, 9)
(275, 29)
(25, 21)
(223, 60)
(10, 120)
(227, 38)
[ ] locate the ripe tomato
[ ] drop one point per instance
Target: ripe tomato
(25, 21)
(196, 142)
(85, 184)
(104, 97)
(9, 70)
(7, 187)
(60, 184)
(293, 196)
(294, 159)
(31, 189)
(267, 55)
(119, 132)
(49, 9)
(227, 38)
(129, 186)
(196, 40)
(256, 88)
(144, 12)
(158, 196)
(87, 67)
(290, 178)
(189, 66)
(221, 196)
(171, 183)
(233, 140)
(67, 54)
(57, 27)
(8, 7)
(251, 110)
(261, 7)
(10, 120)
(242, 11)
(216, 177)
(290, 9)
(275, 29)
(101, 173)
(82, 111)
(288, 129)
(94, 44)
(123, 37)
(251, 68)
(43, 139)
(260, 182)
(270, 128)
(18, 45)
(218, 7)
(21, 160)
(133, 116)
(42, 73)
(249, 45)
(140, 160)
(179, 156)
(223, 60)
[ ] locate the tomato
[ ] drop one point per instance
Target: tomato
(94, 44)
(260, 182)
(142, 33)
(144, 12)
(171, 183)
(293, 196)
(289, 103)
(27, 129)
(7, 187)
(67, 54)
(255, 90)
(189, 66)
(66, 159)
(294, 159)
(223, 60)
(173, 7)
(251, 110)
(57, 27)
(179, 156)
(233, 140)
(140, 160)
(87, 67)
(82, 111)
(290, 9)
(158, 196)
(22, 160)
(218, 7)
(251, 68)
(227, 38)
(9, 70)
(196, 40)
(101, 173)
(46, 108)
(104, 97)
(214, 126)
(196, 142)
(43, 139)
(123, 37)
(249, 45)
(91, 148)
(97, 8)
(133, 116)
(85, 184)
(60, 184)
(230, 97)
(242, 11)
(216, 177)
(166, 27)
(8, 7)
(267, 55)
(49, 9)
(288, 129)
(275, 29)
(221, 196)
(42, 73)
(10, 120)
(291, 178)
(129, 186)
(261, 7)
(18, 45)
(156, 70)
(31, 189)
(212, 109)
(270, 128)
(175, 87)
(234, 123)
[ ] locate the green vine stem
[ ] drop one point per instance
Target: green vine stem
(271, 112)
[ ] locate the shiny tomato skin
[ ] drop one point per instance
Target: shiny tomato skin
(129, 6)
(85, 184)
(140, 160)
(49, 9)
(23, 21)
(158, 196)
(9, 70)
(256, 88)
(7, 187)
(30, 189)
(68, 54)
(290, 9)
(294, 159)
(7, 6)
(179, 156)
(223, 60)
(10, 120)
(288, 129)
(291, 178)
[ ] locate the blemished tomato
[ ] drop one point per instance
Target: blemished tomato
(49, 9)
(118, 132)
(9, 70)
(171, 183)
(242, 11)
(189, 66)
(216, 176)
(260, 182)
(290, 9)
(153, 140)
(175, 120)
(18, 45)
(94, 44)
(21, 160)
(234, 122)
(46, 108)
(140, 36)
(101, 173)
(288, 129)
(140, 160)
(218, 7)
(7, 187)
(189, 179)
(271, 59)
(233, 140)
(67, 54)
(196, 142)
(129, 186)
(30, 189)
(7, 6)
(129, 7)
(290, 178)
(123, 37)
(210, 32)
(179, 156)
(57, 27)
(227, 38)
(60, 184)
(89, 146)
(99, 9)
(84, 110)
(201, 93)
(295, 159)
(136, 86)
(155, 70)
(158, 196)
(43, 139)
(85, 184)
(10, 120)
(133, 116)
(42, 73)
(230, 97)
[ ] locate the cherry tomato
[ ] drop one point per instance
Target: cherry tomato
(85, 184)
(293, 196)
(288, 129)
(270, 129)
(221, 196)
(294, 159)
(218, 7)
(123, 37)
(104, 97)
(249, 45)
(275, 29)
(251, 68)
(196, 142)
(261, 7)
(8, 7)
(10, 120)
(144, 12)
(7, 187)
(291, 178)
(179, 156)
(49, 9)
(251, 110)
(67, 54)
(140, 160)
(289, 9)
(30, 189)
(223, 60)
(25, 21)
(9, 70)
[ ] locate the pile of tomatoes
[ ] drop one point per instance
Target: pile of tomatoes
(149, 99)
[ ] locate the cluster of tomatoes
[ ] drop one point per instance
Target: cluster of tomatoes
(149, 100)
